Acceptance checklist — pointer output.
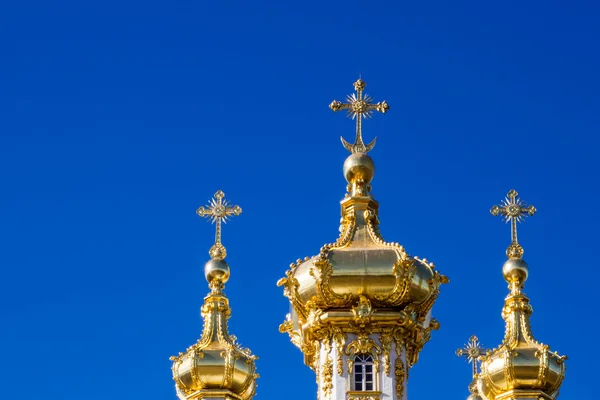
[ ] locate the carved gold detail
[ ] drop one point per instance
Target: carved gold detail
(326, 297)
(386, 339)
(400, 376)
(327, 376)
(362, 345)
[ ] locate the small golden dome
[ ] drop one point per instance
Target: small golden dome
(520, 362)
(216, 363)
(521, 366)
(216, 366)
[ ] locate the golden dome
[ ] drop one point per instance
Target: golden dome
(216, 363)
(335, 292)
(216, 366)
(361, 264)
(520, 366)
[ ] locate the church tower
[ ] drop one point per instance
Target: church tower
(216, 367)
(361, 308)
(521, 368)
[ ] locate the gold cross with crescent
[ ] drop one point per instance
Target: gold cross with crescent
(218, 210)
(472, 351)
(513, 209)
(359, 105)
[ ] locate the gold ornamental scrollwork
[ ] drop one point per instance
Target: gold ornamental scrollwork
(362, 345)
(386, 338)
(339, 338)
(404, 271)
(400, 375)
(326, 297)
(327, 376)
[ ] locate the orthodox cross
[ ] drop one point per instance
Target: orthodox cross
(218, 210)
(359, 105)
(513, 209)
(472, 352)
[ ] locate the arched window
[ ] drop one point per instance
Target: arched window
(363, 372)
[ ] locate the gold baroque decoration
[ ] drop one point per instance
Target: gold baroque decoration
(400, 375)
(327, 376)
(386, 339)
(326, 297)
(339, 340)
(362, 345)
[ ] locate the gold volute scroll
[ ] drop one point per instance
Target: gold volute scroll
(359, 106)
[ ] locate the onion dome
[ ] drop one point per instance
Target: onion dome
(216, 366)
(521, 367)
(360, 263)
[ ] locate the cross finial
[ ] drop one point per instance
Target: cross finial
(513, 209)
(472, 351)
(359, 105)
(219, 210)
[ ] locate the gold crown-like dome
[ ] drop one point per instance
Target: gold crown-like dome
(360, 264)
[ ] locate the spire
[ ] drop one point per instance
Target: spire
(521, 367)
(359, 105)
(216, 366)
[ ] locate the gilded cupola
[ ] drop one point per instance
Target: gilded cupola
(521, 367)
(360, 284)
(216, 366)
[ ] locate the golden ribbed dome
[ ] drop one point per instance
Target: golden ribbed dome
(520, 367)
(360, 262)
(216, 366)
(216, 363)
(520, 363)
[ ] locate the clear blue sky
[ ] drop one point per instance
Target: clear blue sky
(119, 119)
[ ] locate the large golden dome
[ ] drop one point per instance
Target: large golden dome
(360, 262)
(360, 269)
